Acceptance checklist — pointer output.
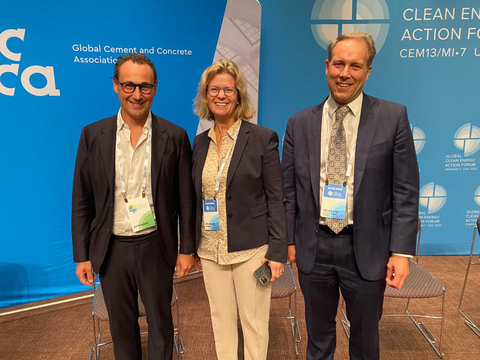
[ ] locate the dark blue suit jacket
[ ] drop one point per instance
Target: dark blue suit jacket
(386, 185)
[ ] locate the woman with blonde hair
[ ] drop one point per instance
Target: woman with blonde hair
(240, 211)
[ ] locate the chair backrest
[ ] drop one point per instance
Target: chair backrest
(285, 285)
(99, 309)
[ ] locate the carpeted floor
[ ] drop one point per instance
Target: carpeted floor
(65, 331)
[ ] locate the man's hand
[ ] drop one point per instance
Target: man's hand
(397, 271)
(275, 267)
(85, 273)
(292, 253)
(184, 264)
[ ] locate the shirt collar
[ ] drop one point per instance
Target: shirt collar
(121, 124)
(231, 132)
(355, 106)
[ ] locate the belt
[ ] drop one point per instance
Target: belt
(133, 237)
(347, 230)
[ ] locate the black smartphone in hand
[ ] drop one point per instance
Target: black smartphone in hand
(263, 273)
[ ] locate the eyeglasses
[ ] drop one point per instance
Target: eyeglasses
(214, 91)
(128, 87)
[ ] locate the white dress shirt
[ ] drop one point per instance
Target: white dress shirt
(132, 161)
(350, 123)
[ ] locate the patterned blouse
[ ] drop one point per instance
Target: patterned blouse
(213, 244)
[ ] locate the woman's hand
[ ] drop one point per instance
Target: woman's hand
(275, 267)
(198, 263)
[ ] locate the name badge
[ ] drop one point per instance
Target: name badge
(140, 214)
(210, 215)
(334, 202)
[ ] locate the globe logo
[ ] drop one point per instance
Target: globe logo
(418, 138)
(331, 18)
(476, 196)
(433, 197)
(467, 139)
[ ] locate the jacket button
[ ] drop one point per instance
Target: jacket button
(229, 196)
(230, 215)
(316, 231)
(108, 230)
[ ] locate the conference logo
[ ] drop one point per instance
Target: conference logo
(467, 139)
(133, 209)
(331, 18)
(476, 196)
(419, 138)
(47, 72)
(433, 197)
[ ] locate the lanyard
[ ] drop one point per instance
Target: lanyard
(222, 167)
(327, 143)
(145, 162)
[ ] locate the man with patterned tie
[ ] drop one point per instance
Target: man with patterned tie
(351, 196)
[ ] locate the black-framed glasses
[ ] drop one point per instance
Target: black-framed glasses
(129, 87)
(214, 91)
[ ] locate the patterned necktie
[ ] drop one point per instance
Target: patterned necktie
(337, 162)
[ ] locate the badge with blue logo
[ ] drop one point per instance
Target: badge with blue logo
(334, 202)
(211, 219)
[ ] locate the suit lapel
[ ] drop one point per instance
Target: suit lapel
(366, 133)
(240, 145)
(314, 134)
(107, 149)
(159, 143)
(201, 150)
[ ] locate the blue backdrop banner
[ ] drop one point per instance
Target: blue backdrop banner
(56, 64)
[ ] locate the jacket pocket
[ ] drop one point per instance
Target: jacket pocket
(93, 225)
(260, 210)
(386, 145)
(387, 217)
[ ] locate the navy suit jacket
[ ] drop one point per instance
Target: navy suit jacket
(386, 185)
(94, 189)
(254, 196)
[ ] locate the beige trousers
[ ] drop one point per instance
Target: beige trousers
(232, 286)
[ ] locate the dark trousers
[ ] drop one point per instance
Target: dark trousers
(131, 266)
(335, 268)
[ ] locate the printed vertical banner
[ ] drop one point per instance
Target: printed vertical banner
(239, 41)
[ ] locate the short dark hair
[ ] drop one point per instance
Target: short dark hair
(366, 38)
(137, 59)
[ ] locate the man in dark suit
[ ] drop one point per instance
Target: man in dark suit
(131, 185)
(351, 187)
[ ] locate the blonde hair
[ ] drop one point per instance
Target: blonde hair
(366, 38)
(244, 109)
